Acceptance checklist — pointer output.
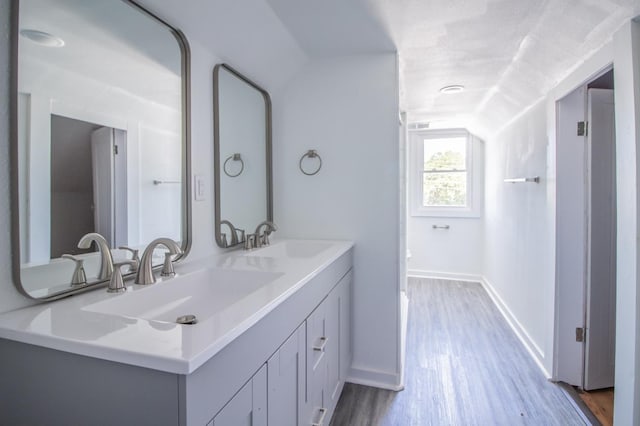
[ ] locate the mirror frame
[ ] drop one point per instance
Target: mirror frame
(14, 163)
(217, 166)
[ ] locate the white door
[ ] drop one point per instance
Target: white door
(108, 157)
(121, 231)
(601, 259)
(102, 159)
(571, 227)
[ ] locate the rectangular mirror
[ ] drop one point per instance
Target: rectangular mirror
(242, 150)
(100, 137)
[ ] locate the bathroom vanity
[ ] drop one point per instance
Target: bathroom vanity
(271, 345)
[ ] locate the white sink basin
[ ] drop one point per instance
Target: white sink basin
(291, 249)
(202, 293)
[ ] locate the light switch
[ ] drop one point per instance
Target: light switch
(199, 187)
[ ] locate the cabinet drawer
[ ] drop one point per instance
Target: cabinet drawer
(317, 344)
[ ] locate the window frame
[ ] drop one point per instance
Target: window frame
(417, 172)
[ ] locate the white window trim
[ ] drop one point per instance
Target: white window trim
(474, 174)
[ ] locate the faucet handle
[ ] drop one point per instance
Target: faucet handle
(167, 267)
(134, 257)
(250, 241)
(79, 277)
(259, 240)
(240, 233)
(116, 283)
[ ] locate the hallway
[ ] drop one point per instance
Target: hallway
(464, 366)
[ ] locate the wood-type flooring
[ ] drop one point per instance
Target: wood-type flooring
(464, 366)
(600, 402)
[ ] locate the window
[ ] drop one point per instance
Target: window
(444, 182)
(442, 174)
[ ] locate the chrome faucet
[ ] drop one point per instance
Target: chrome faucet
(263, 239)
(145, 271)
(234, 234)
(106, 260)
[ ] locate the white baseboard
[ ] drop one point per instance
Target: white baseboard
(416, 273)
(530, 345)
(376, 379)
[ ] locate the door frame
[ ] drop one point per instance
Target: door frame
(564, 358)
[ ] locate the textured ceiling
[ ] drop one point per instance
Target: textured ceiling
(507, 53)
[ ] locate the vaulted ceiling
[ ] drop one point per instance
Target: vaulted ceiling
(507, 53)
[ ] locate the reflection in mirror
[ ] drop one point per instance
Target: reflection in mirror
(242, 145)
(102, 138)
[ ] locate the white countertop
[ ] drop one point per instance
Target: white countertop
(68, 326)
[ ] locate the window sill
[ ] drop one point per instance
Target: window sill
(453, 213)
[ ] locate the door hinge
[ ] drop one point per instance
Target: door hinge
(583, 128)
(115, 150)
(579, 334)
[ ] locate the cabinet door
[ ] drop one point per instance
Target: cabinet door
(337, 308)
(287, 381)
(332, 387)
(248, 407)
(346, 352)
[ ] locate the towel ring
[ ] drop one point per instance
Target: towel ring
(234, 157)
(310, 154)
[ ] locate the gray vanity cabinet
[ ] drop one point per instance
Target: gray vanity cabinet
(305, 376)
(248, 407)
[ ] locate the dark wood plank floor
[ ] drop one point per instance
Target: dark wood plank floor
(464, 366)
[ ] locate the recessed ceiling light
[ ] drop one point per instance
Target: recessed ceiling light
(42, 38)
(455, 88)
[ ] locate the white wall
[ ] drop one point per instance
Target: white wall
(347, 109)
(627, 109)
(519, 264)
(456, 252)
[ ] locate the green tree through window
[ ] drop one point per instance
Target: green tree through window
(445, 173)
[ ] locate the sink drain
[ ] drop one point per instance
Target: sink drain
(187, 319)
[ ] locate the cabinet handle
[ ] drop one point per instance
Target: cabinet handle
(323, 343)
(320, 422)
